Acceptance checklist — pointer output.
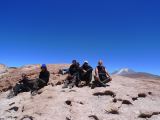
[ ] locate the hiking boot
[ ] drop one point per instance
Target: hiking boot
(11, 94)
(33, 93)
(92, 86)
(71, 86)
(65, 86)
(104, 85)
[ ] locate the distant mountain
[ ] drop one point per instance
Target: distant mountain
(133, 74)
(123, 71)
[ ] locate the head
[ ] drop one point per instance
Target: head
(24, 76)
(74, 62)
(85, 62)
(43, 67)
(78, 64)
(100, 62)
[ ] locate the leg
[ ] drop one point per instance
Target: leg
(40, 83)
(73, 82)
(105, 79)
(66, 83)
(88, 77)
(99, 82)
(18, 88)
(77, 79)
(95, 83)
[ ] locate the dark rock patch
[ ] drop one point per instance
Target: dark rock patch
(11, 103)
(126, 102)
(81, 103)
(68, 102)
(23, 109)
(119, 99)
(149, 93)
(94, 117)
(14, 109)
(105, 93)
(26, 117)
(155, 113)
(142, 95)
(114, 100)
(148, 115)
(144, 115)
(67, 118)
(113, 111)
(135, 98)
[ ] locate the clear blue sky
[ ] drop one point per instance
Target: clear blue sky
(123, 33)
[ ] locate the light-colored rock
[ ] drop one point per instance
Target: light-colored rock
(3, 68)
(51, 103)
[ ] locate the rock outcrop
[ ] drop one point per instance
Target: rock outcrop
(3, 69)
(12, 75)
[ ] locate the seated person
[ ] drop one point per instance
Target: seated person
(86, 73)
(101, 76)
(43, 76)
(33, 85)
(24, 85)
(73, 75)
(42, 81)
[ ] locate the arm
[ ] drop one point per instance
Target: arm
(21, 81)
(69, 71)
(96, 72)
(90, 69)
(107, 74)
(48, 75)
(40, 75)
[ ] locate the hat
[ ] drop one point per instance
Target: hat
(74, 61)
(86, 61)
(43, 66)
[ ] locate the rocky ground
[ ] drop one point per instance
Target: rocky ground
(125, 99)
(9, 76)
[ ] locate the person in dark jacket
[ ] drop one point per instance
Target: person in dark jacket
(43, 76)
(101, 76)
(86, 72)
(73, 75)
(42, 81)
(33, 85)
(22, 86)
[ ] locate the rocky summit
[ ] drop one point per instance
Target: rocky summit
(124, 99)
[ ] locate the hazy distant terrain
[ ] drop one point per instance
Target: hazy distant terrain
(133, 74)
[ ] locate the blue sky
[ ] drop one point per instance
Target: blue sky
(123, 33)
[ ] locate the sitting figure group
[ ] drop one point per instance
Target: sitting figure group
(79, 74)
(76, 76)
